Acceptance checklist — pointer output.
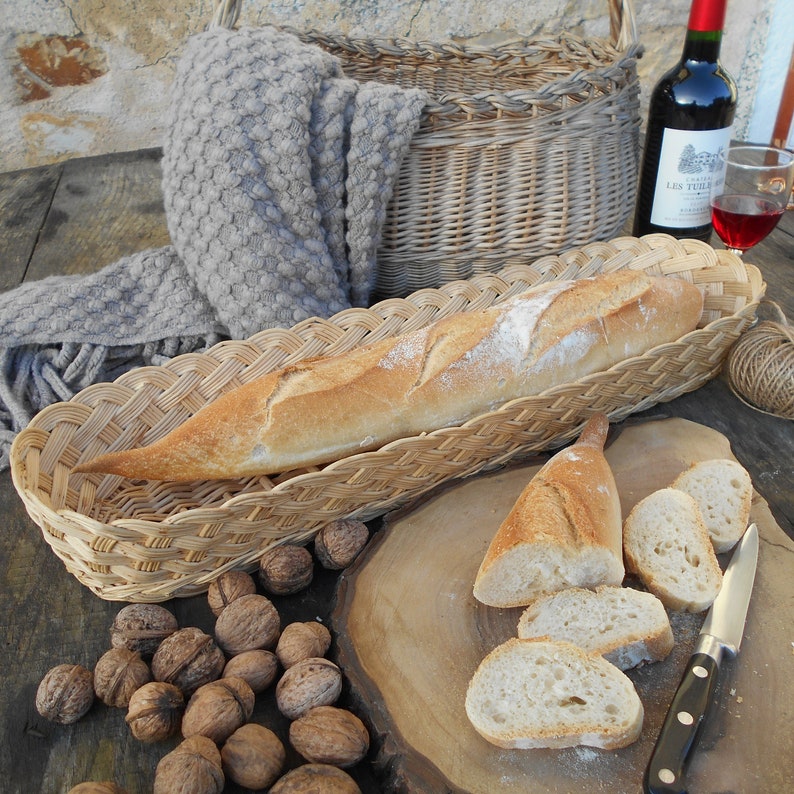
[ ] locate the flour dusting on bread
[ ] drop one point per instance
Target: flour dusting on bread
(459, 367)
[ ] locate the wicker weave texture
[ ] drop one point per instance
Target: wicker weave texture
(525, 149)
(150, 541)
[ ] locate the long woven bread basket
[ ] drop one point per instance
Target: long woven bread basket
(524, 149)
(149, 541)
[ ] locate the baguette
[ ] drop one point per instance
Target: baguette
(724, 492)
(530, 694)
(627, 627)
(667, 545)
(320, 410)
(564, 530)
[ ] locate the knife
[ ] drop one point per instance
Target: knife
(721, 634)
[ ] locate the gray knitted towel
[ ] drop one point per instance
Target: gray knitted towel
(277, 170)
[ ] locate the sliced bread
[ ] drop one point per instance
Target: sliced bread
(564, 530)
(626, 626)
(541, 693)
(723, 490)
(667, 545)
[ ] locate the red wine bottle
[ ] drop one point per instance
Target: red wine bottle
(690, 118)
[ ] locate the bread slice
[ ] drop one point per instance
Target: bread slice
(541, 693)
(723, 490)
(627, 627)
(667, 545)
(564, 529)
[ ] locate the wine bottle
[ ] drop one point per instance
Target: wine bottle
(690, 119)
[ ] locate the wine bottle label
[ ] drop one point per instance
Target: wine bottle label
(688, 163)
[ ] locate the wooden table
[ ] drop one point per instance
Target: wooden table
(76, 217)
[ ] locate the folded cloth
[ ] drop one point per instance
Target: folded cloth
(277, 171)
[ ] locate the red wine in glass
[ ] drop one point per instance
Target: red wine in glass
(750, 189)
(742, 221)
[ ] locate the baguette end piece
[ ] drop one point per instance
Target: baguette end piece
(564, 530)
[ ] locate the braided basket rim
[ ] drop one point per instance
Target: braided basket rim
(135, 556)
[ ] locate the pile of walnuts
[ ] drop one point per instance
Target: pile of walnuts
(180, 680)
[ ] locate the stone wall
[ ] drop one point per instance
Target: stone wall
(84, 77)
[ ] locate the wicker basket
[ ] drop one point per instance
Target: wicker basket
(149, 541)
(525, 149)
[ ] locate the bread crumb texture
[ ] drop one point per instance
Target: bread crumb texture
(667, 545)
(536, 693)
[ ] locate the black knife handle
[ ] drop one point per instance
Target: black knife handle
(682, 727)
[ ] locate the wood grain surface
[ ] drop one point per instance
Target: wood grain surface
(411, 636)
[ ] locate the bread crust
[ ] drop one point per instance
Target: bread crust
(461, 366)
(568, 519)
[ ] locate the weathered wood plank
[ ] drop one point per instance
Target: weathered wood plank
(25, 198)
(104, 208)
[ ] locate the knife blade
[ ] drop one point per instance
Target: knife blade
(720, 635)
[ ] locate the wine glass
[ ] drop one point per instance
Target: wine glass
(749, 193)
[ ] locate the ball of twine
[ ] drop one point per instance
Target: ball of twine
(761, 367)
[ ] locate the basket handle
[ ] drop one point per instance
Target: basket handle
(226, 14)
(622, 24)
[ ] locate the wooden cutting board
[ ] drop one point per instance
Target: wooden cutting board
(411, 635)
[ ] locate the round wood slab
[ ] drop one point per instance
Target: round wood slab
(411, 635)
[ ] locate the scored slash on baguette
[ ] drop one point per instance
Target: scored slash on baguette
(530, 694)
(459, 367)
(564, 530)
(667, 545)
(627, 627)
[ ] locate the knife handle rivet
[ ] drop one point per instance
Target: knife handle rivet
(666, 776)
(685, 718)
(700, 671)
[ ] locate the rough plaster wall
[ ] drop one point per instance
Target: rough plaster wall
(81, 77)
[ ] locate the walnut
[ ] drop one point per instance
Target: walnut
(65, 693)
(253, 757)
(155, 711)
(309, 683)
(284, 570)
(90, 787)
(248, 623)
(117, 674)
(302, 641)
(218, 709)
(227, 587)
(257, 668)
(192, 767)
(312, 778)
(339, 543)
(142, 627)
(330, 735)
(188, 658)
